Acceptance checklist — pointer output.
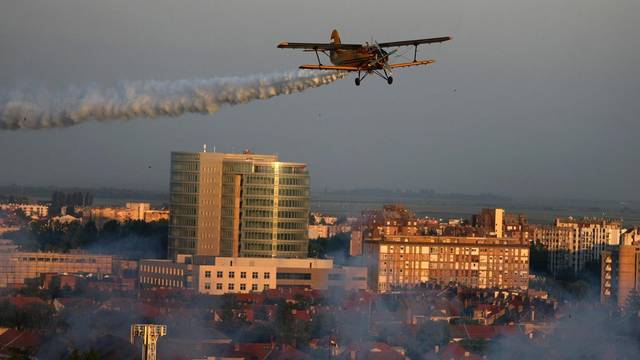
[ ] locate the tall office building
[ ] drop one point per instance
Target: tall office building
(238, 205)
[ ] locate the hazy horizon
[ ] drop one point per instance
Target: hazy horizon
(528, 100)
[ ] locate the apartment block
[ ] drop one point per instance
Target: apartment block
(406, 261)
(572, 243)
(234, 205)
(620, 269)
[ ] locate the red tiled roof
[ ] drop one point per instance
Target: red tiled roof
(22, 301)
(259, 351)
(286, 352)
(301, 315)
(373, 351)
(13, 338)
(481, 331)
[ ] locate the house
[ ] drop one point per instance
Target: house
(453, 351)
(482, 332)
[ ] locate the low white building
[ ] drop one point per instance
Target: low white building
(224, 275)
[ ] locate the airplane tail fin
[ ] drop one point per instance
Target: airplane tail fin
(335, 37)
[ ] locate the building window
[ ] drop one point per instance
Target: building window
(219, 286)
(254, 287)
(254, 275)
(266, 287)
(243, 275)
(295, 276)
(243, 287)
(267, 275)
(230, 287)
(219, 274)
(207, 274)
(232, 274)
(207, 286)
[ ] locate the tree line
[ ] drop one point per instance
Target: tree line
(131, 239)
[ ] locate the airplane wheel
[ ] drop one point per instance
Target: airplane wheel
(389, 80)
(357, 81)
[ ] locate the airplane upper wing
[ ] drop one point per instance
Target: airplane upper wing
(317, 46)
(415, 42)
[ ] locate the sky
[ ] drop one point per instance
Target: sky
(534, 98)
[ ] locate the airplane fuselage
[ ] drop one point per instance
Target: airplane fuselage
(362, 58)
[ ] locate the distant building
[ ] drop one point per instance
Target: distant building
(238, 205)
(407, 261)
(572, 243)
(492, 220)
(30, 210)
(17, 266)
(131, 212)
(394, 219)
(355, 243)
(318, 219)
(319, 232)
(137, 210)
(156, 215)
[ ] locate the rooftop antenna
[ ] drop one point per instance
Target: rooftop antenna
(204, 148)
(149, 334)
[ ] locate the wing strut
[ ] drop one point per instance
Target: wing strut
(318, 56)
(415, 52)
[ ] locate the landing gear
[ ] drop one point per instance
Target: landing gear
(357, 81)
(390, 80)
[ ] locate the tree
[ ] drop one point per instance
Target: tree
(432, 333)
(84, 355)
(322, 324)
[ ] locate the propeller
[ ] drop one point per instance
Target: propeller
(384, 56)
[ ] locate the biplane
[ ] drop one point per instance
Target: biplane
(365, 59)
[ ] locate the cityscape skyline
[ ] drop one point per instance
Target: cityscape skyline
(524, 99)
(172, 182)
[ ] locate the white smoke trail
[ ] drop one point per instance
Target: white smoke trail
(150, 99)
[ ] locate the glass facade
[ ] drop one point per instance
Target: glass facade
(273, 209)
(238, 205)
(183, 219)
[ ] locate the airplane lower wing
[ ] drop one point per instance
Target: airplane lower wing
(412, 63)
(330, 67)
